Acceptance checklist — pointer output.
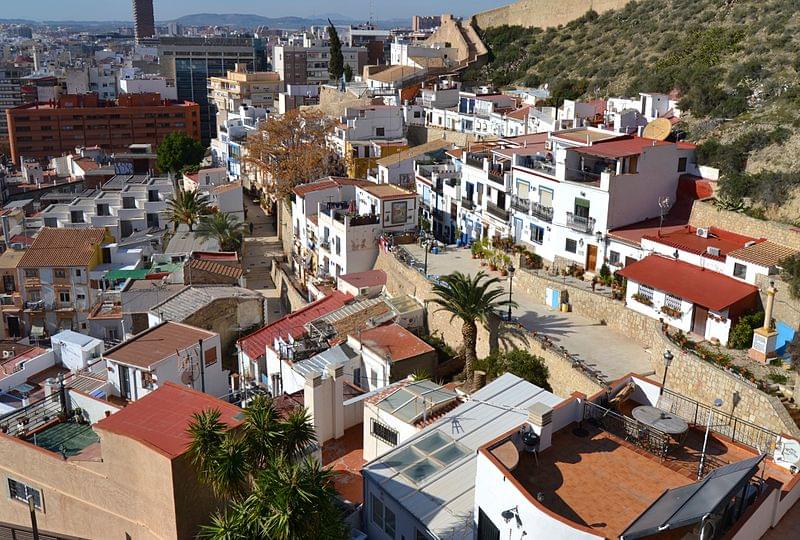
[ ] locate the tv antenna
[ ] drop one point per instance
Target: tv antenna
(663, 207)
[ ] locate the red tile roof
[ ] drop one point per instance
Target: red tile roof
(327, 183)
(394, 341)
(704, 287)
(619, 148)
(160, 419)
(215, 256)
(686, 239)
(520, 114)
(224, 188)
(370, 278)
(214, 267)
(156, 344)
(62, 247)
(255, 345)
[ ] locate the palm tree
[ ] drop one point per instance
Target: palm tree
(222, 227)
(471, 299)
(273, 492)
(187, 207)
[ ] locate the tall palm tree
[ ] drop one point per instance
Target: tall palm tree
(222, 227)
(272, 492)
(471, 299)
(187, 207)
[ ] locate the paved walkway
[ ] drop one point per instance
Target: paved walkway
(597, 345)
(260, 248)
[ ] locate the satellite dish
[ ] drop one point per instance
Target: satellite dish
(658, 129)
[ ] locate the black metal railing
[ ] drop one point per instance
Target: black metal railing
(468, 204)
(580, 223)
(523, 205)
(496, 211)
(33, 416)
(648, 438)
(496, 174)
(475, 160)
(545, 213)
(725, 424)
(544, 166)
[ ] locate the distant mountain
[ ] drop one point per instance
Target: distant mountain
(289, 23)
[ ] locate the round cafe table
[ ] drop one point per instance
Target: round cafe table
(660, 420)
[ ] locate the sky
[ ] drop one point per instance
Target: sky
(96, 10)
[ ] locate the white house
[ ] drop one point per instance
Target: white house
(76, 351)
(19, 362)
(687, 297)
(400, 411)
(172, 352)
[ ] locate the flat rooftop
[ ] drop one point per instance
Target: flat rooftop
(66, 438)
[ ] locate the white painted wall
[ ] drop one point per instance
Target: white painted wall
(72, 355)
(93, 409)
(495, 494)
(30, 368)
(373, 446)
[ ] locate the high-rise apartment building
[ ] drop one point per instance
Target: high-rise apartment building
(309, 65)
(43, 130)
(191, 62)
(243, 88)
(144, 25)
(10, 94)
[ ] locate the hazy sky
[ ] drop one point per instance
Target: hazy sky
(170, 9)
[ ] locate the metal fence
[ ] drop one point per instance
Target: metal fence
(725, 424)
(654, 441)
(33, 416)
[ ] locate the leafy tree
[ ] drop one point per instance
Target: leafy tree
(348, 73)
(291, 150)
(336, 58)
(222, 227)
(520, 362)
(272, 491)
(741, 336)
(473, 299)
(178, 151)
(187, 207)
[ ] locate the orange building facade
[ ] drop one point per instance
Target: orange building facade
(44, 130)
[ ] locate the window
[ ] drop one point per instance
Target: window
(379, 132)
(581, 207)
(128, 202)
(571, 246)
(383, 517)
(682, 164)
(613, 257)
(546, 197)
(60, 273)
(31, 273)
(672, 302)
(383, 432)
(63, 296)
(21, 492)
(646, 292)
(78, 272)
(103, 210)
(210, 356)
(486, 529)
(537, 234)
(338, 245)
(740, 270)
(147, 378)
(523, 189)
(76, 216)
(377, 511)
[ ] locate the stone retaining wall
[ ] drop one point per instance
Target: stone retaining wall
(543, 13)
(705, 214)
(564, 378)
(291, 298)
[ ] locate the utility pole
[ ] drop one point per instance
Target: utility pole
(202, 366)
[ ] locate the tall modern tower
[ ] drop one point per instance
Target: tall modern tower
(144, 24)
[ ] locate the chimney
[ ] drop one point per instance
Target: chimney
(336, 377)
(540, 419)
(479, 380)
(50, 386)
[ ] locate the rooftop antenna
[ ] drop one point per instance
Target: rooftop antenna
(371, 12)
(663, 206)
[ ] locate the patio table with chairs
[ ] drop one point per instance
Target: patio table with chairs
(661, 420)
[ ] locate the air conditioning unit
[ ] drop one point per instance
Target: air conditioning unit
(714, 251)
(8, 354)
(702, 232)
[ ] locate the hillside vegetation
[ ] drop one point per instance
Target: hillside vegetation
(734, 64)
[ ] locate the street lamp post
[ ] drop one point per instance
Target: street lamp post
(667, 361)
(511, 270)
(717, 404)
(34, 525)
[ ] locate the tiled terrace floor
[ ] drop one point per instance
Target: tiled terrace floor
(345, 456)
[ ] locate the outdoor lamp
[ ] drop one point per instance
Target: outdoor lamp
(667, 361)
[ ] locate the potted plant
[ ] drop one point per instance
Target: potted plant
(642, 299)
(671, 312)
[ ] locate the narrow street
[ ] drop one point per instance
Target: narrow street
(260, 248)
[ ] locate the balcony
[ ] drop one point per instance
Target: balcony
(467, 204)
(497, 174)
(497, 212)
(537, 164)
(580, 223)
(520, 204)
(325, 244)
(545, 213)
(475, 160)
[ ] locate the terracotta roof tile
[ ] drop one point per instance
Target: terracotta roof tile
(156, 344)
(327, 183)
(370, 278)
(704, 287)
(160, 419)
(255, 345)
(62, 247)
(213, 267)
(764, 253)
(394, 341)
